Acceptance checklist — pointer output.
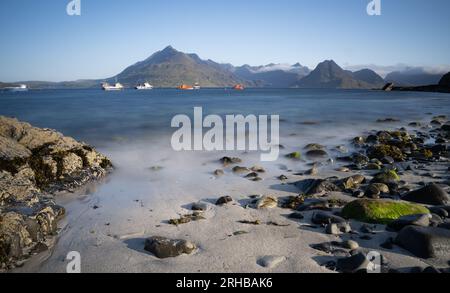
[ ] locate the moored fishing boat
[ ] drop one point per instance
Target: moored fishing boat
(116, 87)
(145, 86)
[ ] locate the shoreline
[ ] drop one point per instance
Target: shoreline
(234, 237)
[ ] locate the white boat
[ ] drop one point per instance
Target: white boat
(20, 88)
(145, 86)
(107, 87)
(196, 86)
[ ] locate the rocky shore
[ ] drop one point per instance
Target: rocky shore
(389, 195)
(36, 164)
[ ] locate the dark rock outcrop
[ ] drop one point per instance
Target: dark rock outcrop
(34, 164)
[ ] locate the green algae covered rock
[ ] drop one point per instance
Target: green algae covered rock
(380, 211)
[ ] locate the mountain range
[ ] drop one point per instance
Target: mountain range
(170, 68)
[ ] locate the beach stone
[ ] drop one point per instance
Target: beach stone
(372, 192)
(425, 242)
(199, 206)
(317, 153)
(343, 169)
(271, 261)
(316, 186)
(422, 220)
(252, 175)
(352, 264)
(163, 247)
(258, 169)
(229, 161)
(431, 194)
(267, 202)
(314, 146)
(372, 166)
(383, 188)
(386, 177)
(219, 172)
(294, 155)
(324, 218)
(239, 169)
(380, 211)
(282, 178)
(313, 171)
(360, 159)
(296, 215)
(350, 244)
(332, 229)
(224, 200)
(442, 212)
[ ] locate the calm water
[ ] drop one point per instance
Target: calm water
(101, 118)
(133, 129)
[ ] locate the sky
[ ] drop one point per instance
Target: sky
(39, 41)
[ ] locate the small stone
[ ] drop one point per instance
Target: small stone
(267, 202)
(219, 172)
(332, 229)
(271, 261)
(224, 200)
(350, 244)
(282, 178)
(258, 169)
(343, 169)
(228, 161)
(163, 247)
(199, 206)
(316, 154)
(239, 169)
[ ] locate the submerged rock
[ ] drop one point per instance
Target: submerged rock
(380, 211)
(164, 247)
(425, 242)
(431, 194)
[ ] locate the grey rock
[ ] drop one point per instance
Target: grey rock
(271, 261)
(352, 264)
(425, 242)
(224, 200)
(164, 247)
(415, 220)
(431, 194)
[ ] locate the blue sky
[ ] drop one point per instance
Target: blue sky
(41, 42)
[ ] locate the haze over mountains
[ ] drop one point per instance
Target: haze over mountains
(170, 68)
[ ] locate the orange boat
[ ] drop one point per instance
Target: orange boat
(239, 87)
(185, 87)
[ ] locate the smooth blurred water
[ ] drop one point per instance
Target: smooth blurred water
(100, 118)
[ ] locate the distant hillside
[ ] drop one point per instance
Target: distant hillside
(271, 78)
(170, 68)
(445, 80)
(369, 76)
(330, 75)
(413, 77)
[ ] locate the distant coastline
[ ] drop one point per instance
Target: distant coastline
(169, 68)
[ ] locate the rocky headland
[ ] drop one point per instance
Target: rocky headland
(36, 164)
